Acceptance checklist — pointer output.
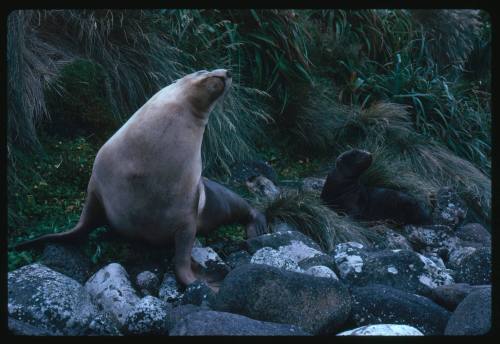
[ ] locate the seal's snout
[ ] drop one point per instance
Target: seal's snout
(221, 73)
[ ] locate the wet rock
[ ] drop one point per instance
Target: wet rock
(475, 268)
(148, 317)
(69, 260)
(147, 282)
(53, 302)
(262, 187)
(244, 170)
(111, 289)
(450, 296)
(177, 313)
(238, 258)
(261, 292)
(379, 304)
(198, 293)
(472, 316)
(474, 232)
(383, 330)
(449, 210)
(212, 323)
(210, 262)
(313, 184)
(169, 289)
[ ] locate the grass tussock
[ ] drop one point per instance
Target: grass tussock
(305, 212)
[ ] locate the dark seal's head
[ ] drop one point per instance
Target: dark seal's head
(353, 163)
(203, 88)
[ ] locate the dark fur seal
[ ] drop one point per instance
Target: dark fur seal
(343, 192)
(146, 180)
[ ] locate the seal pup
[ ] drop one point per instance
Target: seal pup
(343, 192)
(146, 181)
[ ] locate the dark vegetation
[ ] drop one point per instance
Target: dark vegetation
(413, 87)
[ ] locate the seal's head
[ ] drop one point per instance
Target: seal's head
(353, 163)
(203, 89)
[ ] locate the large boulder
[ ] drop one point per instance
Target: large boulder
(52, 302)
(148, 317)
(198, 293)
(70, 260)
(475, 268)
(316, 304)
(450, 296)
(285, 240)
(391, 239)
(474, 232)
(402, 269)
(472, 316)
(382, 330)
(21, 328)
(111, 289)
(379, 304)
(212, 323)
(177, 313)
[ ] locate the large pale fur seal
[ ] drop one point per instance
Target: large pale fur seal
(146, 181)
(344, 192)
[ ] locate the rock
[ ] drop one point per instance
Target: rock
(287, 239)
(318, 305)
(52, 302)
(379, 304)
(262, 187)
(474, 232)
(383, 330)
(212, 323)
(432, 238)
(148, 317)
(169, 289)
(69, 260)
(449, 296)
(475, 268)
(319, 260)
(472, 316)
(272, 257)
(402, 269)
(21, 328)
(391, 239)
(244, 170)
(449, 210)
(198, 293)
(179, 312)
(210, 262)
(282, 227)
(147, 282)
(238, 258)
(111, 289)
(313, 184)
(321, 271)
(457, 255)
(349, 258)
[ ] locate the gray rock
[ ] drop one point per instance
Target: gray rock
(350, 258)
(69, 260)
(198, 293)
(450, 210)
(475, 268)
(169, 289)
(319, 260)
(474, 232)
(53, 302)
(280, 239)
(147, 282)
(313, 184)
(318, 305)
(458, 254)
(392, 240)
(21, 328)
(238, 258)
(212, 323)
(383, 330)
(262, 187)
(402, 269)
(450, 296)
(111, 289)
(432, 238)
(321, 271)
(148, 317)
(379, 304)
(472, 316)
(210, 262)
(179, 312)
